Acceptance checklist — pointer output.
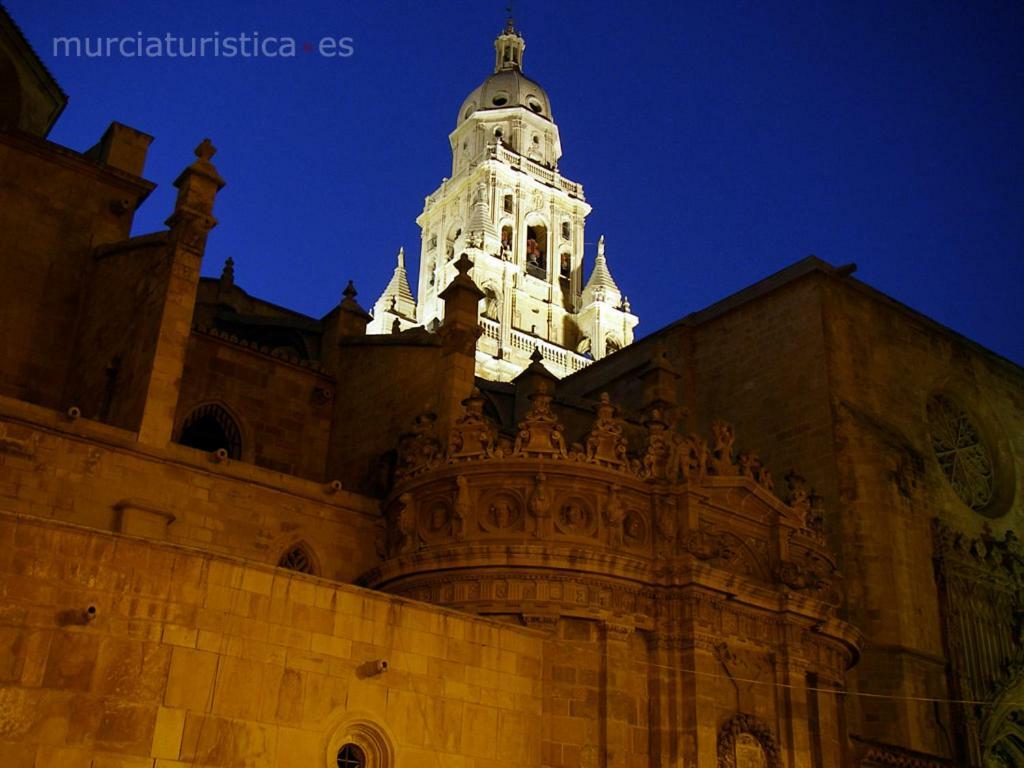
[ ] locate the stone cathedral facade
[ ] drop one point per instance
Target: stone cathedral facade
(783, 531)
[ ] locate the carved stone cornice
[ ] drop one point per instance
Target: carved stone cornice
(876, 755)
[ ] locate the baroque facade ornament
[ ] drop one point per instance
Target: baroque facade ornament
(540, 433)
(746, 742)
(605, 443)
(473, 435)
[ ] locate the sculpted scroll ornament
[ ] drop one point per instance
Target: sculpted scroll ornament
(810, 572)
(419, 449)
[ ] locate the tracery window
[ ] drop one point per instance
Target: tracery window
(962, 455)
(297, 559)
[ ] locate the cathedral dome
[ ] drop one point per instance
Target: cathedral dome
(507, 86)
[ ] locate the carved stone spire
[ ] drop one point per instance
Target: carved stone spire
(396, 302)
(601, 286)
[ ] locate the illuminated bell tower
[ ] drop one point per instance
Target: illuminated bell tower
(522, 223)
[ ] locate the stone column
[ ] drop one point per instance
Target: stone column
(190, 223)
(458, 332)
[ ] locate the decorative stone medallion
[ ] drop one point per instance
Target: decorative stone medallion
(503, 512)
(575, 518)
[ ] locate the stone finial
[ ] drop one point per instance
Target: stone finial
(197, 185)
(401, 257)
(600, 246)
(352, 318)
(461, 328)
(205, 150)
(227, 274)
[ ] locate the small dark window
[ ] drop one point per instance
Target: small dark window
(297, 559)
(537, 250)
(210, 428)
(508, 203)
(351, 756)
(566, 230)
(499, 101)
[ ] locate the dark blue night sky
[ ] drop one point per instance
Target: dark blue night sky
(717, 142)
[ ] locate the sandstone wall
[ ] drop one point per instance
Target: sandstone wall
(55, 207)
(282, 410)
(199, 660)
(95, 475)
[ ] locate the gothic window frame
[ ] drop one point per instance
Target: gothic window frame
(296, 549)
(230, 424)
(963, 453)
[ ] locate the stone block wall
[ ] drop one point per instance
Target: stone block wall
(56, 205)
(202, 661)
(91, 474)
(283, 411)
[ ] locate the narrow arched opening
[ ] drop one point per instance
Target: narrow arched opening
(211, 428)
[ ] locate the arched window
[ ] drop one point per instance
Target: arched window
(360, 743)
(537, 250)
(490, 304)
(611, 344)
(351, 756)
(298, 558)
(210, 428)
